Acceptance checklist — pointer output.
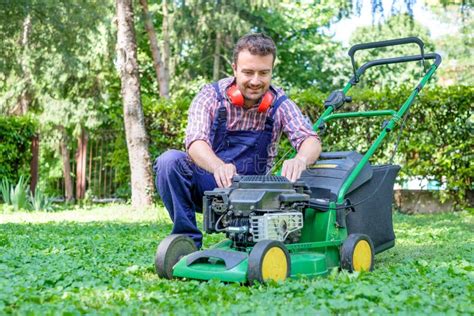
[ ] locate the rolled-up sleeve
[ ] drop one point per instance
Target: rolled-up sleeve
(200, 116)
(295, 125)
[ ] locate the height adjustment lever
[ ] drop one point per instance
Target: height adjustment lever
(336, 99)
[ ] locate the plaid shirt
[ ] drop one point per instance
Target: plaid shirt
(288, 118)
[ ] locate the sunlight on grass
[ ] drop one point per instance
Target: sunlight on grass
(117, 212)
(100, 261)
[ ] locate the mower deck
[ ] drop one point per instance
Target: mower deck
(310, 264)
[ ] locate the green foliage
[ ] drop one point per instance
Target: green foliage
(19, 197)
(75, 263)
(40, 201)
(5, 190)
(15, 146)
(457, 47)
(306, 55)
(436, 142)
(166, 121)
(15, 195)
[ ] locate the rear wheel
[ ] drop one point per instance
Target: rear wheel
(269, 260)
(170, 251)
(357, 253)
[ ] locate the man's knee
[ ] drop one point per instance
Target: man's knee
(170, 160)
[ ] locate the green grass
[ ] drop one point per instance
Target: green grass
(100, 261)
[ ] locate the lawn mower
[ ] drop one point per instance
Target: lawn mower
(337, 215)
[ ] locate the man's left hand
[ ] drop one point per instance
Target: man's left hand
(292, 168)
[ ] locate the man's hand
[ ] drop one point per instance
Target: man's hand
(307, 154)
(223, 175)
(203, 155)
(292, 168)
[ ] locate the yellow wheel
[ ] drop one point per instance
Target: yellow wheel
(357, 253)
(269, 260)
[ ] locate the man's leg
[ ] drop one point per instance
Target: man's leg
(180, 184)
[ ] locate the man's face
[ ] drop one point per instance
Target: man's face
(253, 74)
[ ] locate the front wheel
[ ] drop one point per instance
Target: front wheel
(170, 251)
(357, 253)
(268, 260)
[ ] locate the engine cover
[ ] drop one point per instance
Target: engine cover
(275, 226)
(256, 208)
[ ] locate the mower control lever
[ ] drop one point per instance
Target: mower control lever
(336, 99)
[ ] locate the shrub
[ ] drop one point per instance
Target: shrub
(15, 142)
(40, 201)
(18, 197)
(15, 195)
(436, 142)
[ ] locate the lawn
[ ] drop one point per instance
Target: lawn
(100, 261)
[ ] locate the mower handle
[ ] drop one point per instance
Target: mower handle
(392, 42)
(395, 60)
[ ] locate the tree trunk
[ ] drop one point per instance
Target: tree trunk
(34, 163)
(155, 51)
(25, 98)
(166, 46)
(137, 140)
(66, 166)
(81, 155)
(217, 57)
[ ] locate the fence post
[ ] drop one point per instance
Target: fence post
(34, 163)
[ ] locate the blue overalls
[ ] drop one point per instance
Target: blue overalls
(181, 183)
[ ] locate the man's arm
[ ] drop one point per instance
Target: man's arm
(308, 153)
(203, 156)
(197, 137)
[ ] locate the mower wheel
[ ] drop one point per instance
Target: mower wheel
(169, 251)
(357, 253)
(268, 260)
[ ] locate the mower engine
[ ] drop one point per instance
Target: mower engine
(256, 208)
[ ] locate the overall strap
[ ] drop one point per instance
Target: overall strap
(218, 128)
(271, 118)
(221, 114)
(277, 104)
(215, 85)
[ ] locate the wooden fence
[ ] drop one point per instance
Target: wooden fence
(92, 158)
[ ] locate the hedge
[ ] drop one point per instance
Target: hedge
(15, 146)
(436, 142)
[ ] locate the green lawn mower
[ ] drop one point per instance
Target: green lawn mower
(338, 214)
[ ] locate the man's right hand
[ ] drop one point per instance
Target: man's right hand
(223, 175)
(203, 155)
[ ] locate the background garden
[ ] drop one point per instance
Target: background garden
(63, 147)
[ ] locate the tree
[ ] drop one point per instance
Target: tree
(137, 140)
(160, 65)
(457, 47)
(52, 68)
(205, 33)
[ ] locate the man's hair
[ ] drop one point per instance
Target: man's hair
(257, 44)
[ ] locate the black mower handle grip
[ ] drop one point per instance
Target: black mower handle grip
(393, 42)
(396, 60)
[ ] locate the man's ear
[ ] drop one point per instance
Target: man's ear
(234, 67)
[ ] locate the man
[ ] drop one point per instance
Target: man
(234, 126)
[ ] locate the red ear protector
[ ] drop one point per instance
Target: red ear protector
(236, 98)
